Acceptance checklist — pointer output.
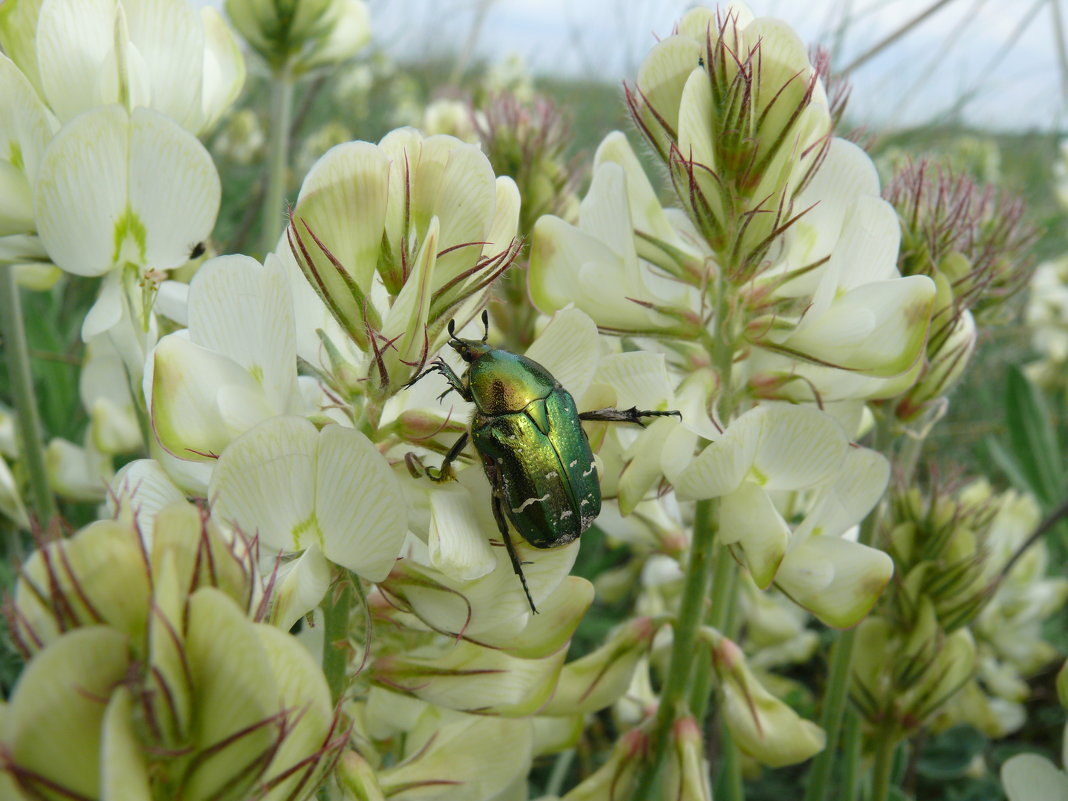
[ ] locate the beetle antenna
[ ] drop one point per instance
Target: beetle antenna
(452, 330)
(485, 323)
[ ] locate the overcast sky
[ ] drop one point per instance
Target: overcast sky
(1000, 55)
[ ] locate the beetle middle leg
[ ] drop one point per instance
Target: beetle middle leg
(631, 415)
(517, 565)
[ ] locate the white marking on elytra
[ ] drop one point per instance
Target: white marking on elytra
(551, 475)
(564, 515)
(572, 463)
(584, 501)
(529, 501)
(592, 468)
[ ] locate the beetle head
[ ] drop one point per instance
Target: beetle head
(470, 349)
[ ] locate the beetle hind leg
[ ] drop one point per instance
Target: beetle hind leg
(517, 565)
(631, 415)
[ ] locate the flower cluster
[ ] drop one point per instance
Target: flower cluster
(152, 675)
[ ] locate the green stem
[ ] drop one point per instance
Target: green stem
(691, 614)
(851, 742)
(27, 420)
(729, 786)
(277, 166)
(561, 767)
(885, 746)
(336, 608)
(834, 701)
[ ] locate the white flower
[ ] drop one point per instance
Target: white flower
(162, 54)
(770, 454)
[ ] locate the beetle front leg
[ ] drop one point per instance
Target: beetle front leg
(445, 472)
(631, 415)
(455, 384)
(517, 565)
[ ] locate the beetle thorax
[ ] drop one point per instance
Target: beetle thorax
(502, 382)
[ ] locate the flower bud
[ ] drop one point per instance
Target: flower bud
(600, 678)
(687, 769)
(763, 727)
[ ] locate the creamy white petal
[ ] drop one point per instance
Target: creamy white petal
(458, 548)
(569, 348)
(81, 193)
(748, 517)
(358, 503)
(837, 580)
(174, 188)
(264, 484)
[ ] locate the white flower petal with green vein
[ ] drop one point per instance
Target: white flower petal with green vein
(74, 39)
(115, 187)
(264, 483)
(224, 67)
(720, 467)
(294, 486)
(343, 201)
(646, 212)
(244, 310)
(80, 194)
(848, 498)
(878, 329)
(569, 348)
(798, 446)
(858, 575)
(25, 129)
(748, 517)
(174, 188)
(300, 589)
(359, 504)
(505, 217)
(124, 769)
(457, 546)
(193, 393)
(18, 24)
(663, 74)
(696, 135)
(54, 719)
(170, 35)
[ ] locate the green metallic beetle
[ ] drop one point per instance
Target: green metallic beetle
(527, 431)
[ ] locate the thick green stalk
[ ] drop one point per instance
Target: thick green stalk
(834, 701)
(851, 742)
(885, 746)
(721, 618)
(277, 152)
(729, 786)
(27, 420)
(336, 607)
(691, 614)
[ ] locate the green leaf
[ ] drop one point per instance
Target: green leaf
(1032, 437)
(948, 755)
